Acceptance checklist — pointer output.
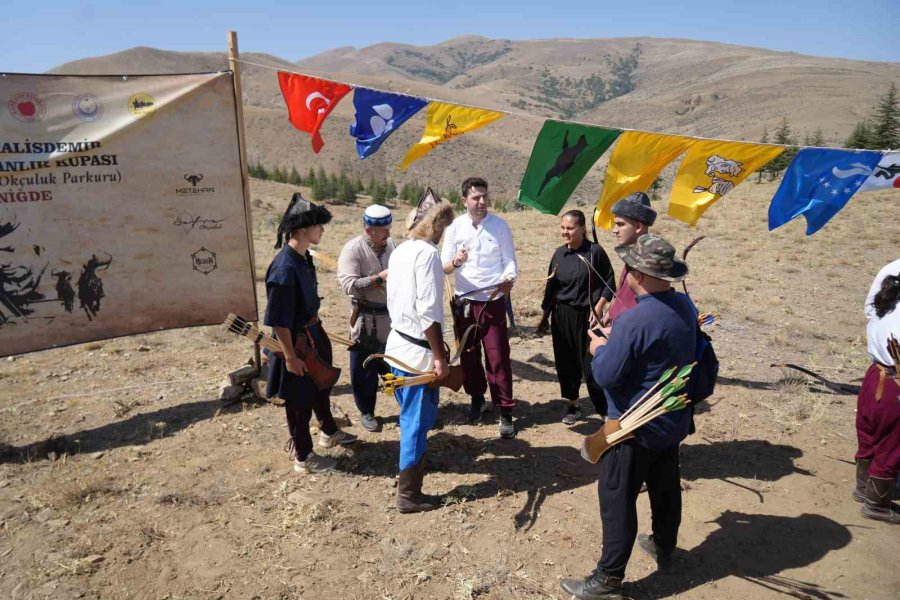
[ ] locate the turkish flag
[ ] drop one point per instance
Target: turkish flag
(309, 101)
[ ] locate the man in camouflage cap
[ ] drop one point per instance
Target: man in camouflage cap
(659, 332)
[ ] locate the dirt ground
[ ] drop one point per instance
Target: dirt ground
(123, 476)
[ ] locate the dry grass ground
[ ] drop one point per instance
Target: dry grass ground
(123, 477)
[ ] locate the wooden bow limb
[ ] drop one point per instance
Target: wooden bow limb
(684, 258)
(324, 259)
(339, 340)
(840, 388)
(461, 344)
(590, 301)
(402, 364)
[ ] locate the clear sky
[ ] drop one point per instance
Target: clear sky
(41, 34)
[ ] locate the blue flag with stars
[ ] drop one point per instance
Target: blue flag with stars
(818, 184)
(378, 114)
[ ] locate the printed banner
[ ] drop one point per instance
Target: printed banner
(445, 122)
(886, 175)
(121, 208)
(309, 102)
(636, 161)
(818, 184)
(378, 115)
(710, 170)
(563, 153)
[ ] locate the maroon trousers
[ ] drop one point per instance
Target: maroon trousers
(493, 336)
(878, 423)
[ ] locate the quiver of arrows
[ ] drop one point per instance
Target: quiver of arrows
(659, 400)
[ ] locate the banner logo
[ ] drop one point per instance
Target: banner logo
(204, 261)
(27, 107)
(141, 106)
(194, 179)
(87, 107)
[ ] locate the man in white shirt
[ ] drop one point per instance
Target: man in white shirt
(478, 248)
(415, 300)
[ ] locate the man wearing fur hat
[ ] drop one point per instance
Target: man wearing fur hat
(659, 332)
(632, 218)
(415, 302)
(362, 273)
(478, 248)
(292, 311)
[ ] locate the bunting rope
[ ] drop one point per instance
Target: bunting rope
(536, 117)
(818, 181)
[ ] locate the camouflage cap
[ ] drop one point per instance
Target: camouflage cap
(655, 257)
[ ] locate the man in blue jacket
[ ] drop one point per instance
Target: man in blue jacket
(659, 332)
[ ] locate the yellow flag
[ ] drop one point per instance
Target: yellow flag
(710, 170)
(636, 161)
(445, 122)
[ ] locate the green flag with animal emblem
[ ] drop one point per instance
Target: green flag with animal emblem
(562, 155)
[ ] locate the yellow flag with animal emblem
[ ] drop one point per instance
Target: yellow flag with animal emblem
(636, 161)
(710, 170)
(443, 122)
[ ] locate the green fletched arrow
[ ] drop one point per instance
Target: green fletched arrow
(685, 370)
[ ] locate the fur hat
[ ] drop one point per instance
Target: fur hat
(300, 213)
(430, 216)
(636, 207)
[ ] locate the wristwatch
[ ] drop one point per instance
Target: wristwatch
(379, 280)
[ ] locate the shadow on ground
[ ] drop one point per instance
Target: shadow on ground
(755, 548)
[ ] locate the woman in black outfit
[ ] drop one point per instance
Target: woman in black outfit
(581, 277)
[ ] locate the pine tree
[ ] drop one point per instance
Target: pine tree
(321, 176)
(370, 187)
(310, 177)
(390, 190)
(654, 189)
(262, 172)
(346, 193)
(279, 175)
(763, 140)
(861, 136)
(358, 185)
(783, 135)
(379, 193)
(294, 178)
(886, 122)
(817, 139)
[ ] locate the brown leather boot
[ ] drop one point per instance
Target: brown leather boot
(862, 476)
(410, 498)
(878, 501)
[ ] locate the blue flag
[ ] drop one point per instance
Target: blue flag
(817, 185)
(378, 114)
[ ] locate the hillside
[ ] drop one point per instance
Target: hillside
(677, 86)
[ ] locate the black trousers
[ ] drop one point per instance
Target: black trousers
(299, 408)
(364, 380)
(568, 325)
(623, 470)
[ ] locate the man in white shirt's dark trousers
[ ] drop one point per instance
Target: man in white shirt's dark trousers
(478, 249)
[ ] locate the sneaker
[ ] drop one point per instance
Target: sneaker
(573, 413)
(507, 428)
(663, 557)
(338, 437)
(314, 464)
(369, 422)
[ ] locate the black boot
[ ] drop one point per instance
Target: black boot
(862, 476)
(596, 586)
(878, 504)
(410, 498)
(476, 408)
(662, 555)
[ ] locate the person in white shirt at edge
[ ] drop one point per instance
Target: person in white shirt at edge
(878, 404)
(415, 300)
(478, 248)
